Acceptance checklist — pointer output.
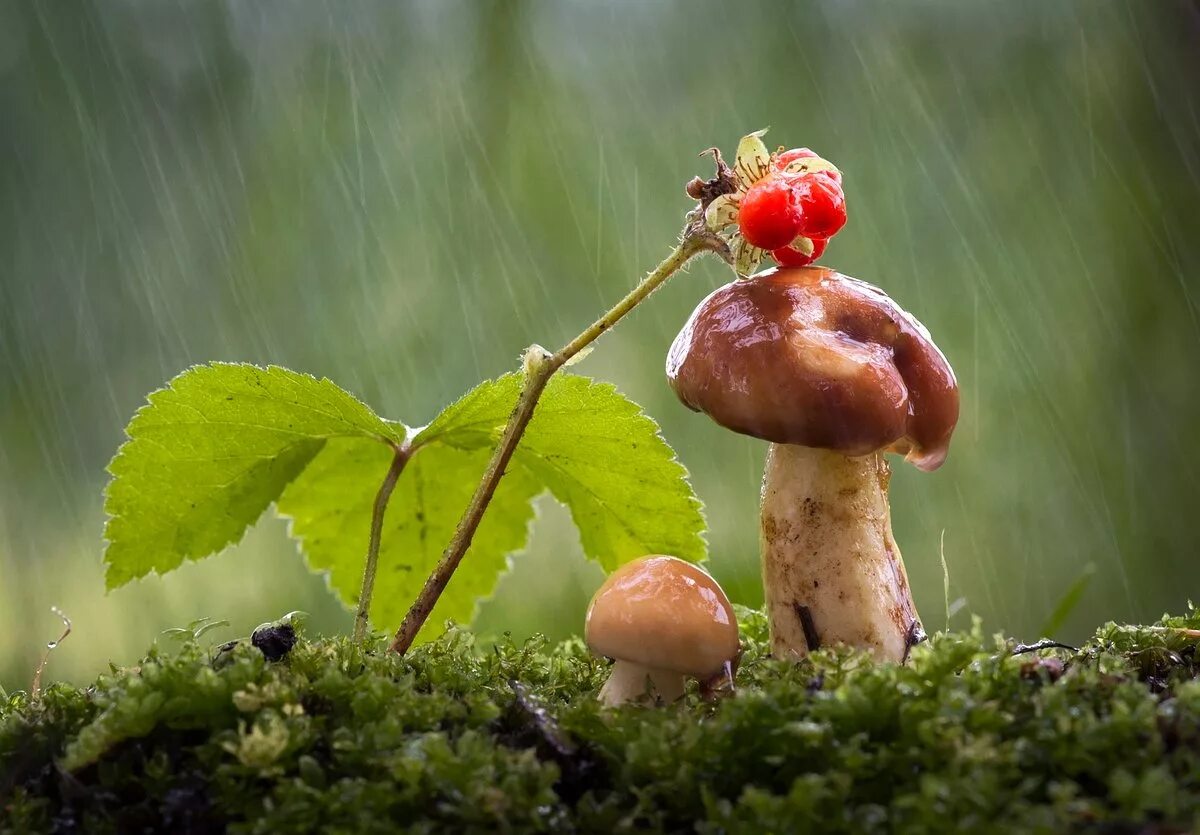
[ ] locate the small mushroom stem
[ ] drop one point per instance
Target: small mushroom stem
(832, 572)
(629, 682)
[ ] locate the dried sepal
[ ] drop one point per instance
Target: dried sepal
(803, 245)
(753, 160)
(746, 256)
(810, 165)
(721, 212)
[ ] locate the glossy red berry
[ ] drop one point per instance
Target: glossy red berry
(822, 205)
(789, 256)
(769, 215)
(785, 159)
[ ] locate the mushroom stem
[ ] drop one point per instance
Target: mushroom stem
(831, 570)
(629, 682)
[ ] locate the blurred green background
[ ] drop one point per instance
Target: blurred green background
(401, 196)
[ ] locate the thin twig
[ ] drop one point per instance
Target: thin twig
(579, 768)
(1037, 646)
(548, 730)
(400, 457)
(540, 366)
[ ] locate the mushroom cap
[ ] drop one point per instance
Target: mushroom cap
(664, 613)
(811, 357)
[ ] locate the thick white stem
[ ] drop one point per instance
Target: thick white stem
(629, 682)
(831, 570)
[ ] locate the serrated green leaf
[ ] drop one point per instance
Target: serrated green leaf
(330, 504)
(478, 417)
(210, 452)
(599, 454)
(216, 447)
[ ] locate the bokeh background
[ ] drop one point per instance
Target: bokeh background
(401, 196)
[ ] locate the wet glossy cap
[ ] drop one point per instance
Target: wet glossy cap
(811, 357)
(664, 613)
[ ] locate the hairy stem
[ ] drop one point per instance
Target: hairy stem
(402, 453)
(540, 366)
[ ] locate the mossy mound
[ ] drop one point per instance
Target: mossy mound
(967, 737)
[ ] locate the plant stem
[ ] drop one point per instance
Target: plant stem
(402, 453)
(35, 689)
(1194, 634)
(540, 366)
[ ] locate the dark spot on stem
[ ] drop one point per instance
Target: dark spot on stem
(808, 625)
(915, 635)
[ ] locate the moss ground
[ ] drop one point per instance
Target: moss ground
(969, 736)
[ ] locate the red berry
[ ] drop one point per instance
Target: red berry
(769, 215)
(789, 256)
(822, 205)
(788, 157)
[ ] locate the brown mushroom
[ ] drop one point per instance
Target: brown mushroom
(833, 373)
(661, 619)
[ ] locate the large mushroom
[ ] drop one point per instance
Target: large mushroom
(662, 620)
(833, 373)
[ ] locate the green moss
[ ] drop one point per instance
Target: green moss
(967, 737)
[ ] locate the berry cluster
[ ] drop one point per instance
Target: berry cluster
(788, 203)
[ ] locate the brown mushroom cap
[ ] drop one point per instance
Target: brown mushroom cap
(664, 613)
(811, 357)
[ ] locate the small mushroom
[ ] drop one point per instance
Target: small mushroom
(833, 373)
(661, 619)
